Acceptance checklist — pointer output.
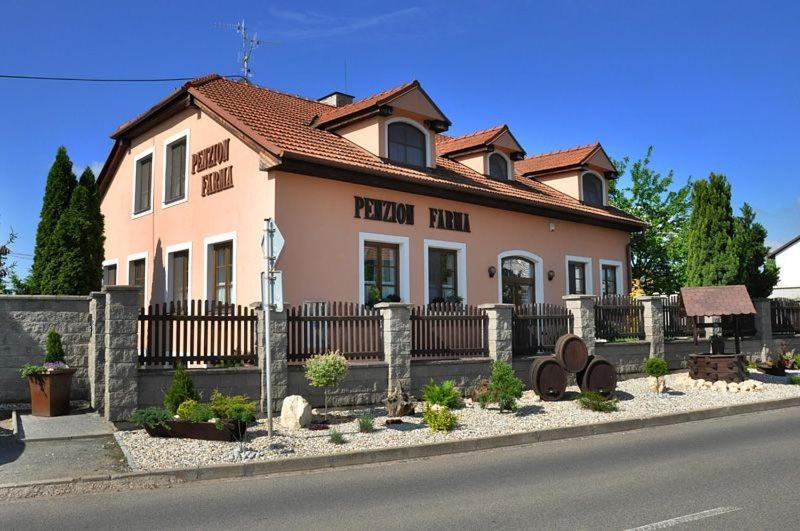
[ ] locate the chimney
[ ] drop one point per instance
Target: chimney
(336, 99)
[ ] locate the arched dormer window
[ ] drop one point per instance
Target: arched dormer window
(592, 187)
(407, 144)
(498, 166)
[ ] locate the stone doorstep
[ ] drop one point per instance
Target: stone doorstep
(152, 479)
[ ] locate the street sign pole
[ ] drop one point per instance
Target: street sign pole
(271, 298)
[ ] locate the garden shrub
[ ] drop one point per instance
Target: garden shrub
(336, 437)
(151, 417)
(443, 394)
(656, 367)
(54, 350)
(597, 402)
(326, 371)
(232, 407)
(504, 387)
(194, 411)
(439, 418)
(366, 423)
(181, 390)
(794, 380)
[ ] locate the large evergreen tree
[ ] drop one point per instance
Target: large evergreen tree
(97, 233)
(755, 271)
(658, 254)
(712, 258)
(57, 195)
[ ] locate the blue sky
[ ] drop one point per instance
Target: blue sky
(714, 86)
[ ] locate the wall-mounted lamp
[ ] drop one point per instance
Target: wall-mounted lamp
(552, 227)
(551, 275)
(492, 271)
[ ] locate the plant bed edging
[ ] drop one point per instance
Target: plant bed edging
(170, 477)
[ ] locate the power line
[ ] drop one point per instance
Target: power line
(99, 79)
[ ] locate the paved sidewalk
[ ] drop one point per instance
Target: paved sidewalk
(76, 424)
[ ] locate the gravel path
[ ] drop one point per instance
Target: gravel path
(635, 401)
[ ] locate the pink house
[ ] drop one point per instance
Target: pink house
(375, 201)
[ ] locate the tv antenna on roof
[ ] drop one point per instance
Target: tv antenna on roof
(249, 45)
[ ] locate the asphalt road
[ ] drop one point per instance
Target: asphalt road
(732, 473)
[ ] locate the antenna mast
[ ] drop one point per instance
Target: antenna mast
(249, 44)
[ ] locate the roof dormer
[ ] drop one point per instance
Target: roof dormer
(491, 152)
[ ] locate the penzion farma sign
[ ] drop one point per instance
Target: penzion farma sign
(217, 180)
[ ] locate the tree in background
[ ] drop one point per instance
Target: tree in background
(57, 195)
(755, 271)
(712, 259)
(658, 254)
(6, 267)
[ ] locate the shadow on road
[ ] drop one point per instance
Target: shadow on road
(10, 447)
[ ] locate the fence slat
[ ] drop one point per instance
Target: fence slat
(618, 317)
(536, 327)
(448, 331)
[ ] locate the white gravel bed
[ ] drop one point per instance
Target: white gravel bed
(635, 401)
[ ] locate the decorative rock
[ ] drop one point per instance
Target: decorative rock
(656, 384)
(398, 403)
(295, 413)
(720, 385)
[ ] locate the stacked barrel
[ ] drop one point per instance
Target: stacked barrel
(592, 373)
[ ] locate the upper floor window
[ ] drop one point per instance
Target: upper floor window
(143, 184)
(406, 144)
(592, 189)
(175, 171)
(498, 166)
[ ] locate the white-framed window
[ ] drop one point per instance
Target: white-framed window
(179, 272)
(142, 194)
(520, 277)
(407, 142)
(110, 268)
(219, 268)
(499, 166)
(383, 267)
(444, 271)
(593, 189)
(175, 171)
(578, 271)
(138, 275)
(611, 277)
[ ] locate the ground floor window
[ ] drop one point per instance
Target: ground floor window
(136, 276)
(178, 281)
(443, 275)
(381, 272)
(519, 280)
(609, 273)
(222, 272)
(577, 278)
(110, 275)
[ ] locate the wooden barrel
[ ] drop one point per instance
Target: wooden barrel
(571, 353)
(548, 378)
(599, 376)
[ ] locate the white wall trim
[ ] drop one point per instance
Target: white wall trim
(509, 165)
(618, 265)
(429, 162)
(461, 266)
(167, 142)
(207, 243)
(149, 151)
(170, 249)
(538, 272)
(602, 181)
(128, 260)
(402, 242)
(587, 271)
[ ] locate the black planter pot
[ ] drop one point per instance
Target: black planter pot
(206, 431)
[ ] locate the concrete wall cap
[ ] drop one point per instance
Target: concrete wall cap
(44, 297)
(578, 297)
(122, 289)
(645, 298)
(389, 305)
(495, 306)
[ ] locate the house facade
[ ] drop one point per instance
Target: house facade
(787, 258)
(374, 200)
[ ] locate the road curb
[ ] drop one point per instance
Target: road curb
(161, 478)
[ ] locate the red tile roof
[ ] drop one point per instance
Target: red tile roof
(563, 158)
(716, 300)
(449, 144)
(279, 123)
(334, 114)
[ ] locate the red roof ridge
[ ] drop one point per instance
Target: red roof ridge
(474, 133)
(282, 93)
(365, 103)
(565, 150)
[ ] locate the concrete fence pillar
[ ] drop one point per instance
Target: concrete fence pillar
(654, 324)
(120, 393)
(279, 346)
(499, 332)
(582, 309)
(97, 349)
(764, 325)
(397, 343)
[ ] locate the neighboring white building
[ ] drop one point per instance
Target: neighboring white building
(787, 257)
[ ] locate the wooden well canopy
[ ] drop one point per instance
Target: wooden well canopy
(713, 301)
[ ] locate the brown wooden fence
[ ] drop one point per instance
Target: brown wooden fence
(448, 331)
(675, 324)
(197, 332)
(618, 317)
(536, 327)
(318, 327)
(785, 314)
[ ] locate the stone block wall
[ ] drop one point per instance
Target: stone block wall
(465, 373)
(365, 384)
(235, 381)
(25, 322)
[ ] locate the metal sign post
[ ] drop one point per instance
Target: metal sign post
(271, 298)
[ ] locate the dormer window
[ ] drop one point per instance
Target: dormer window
(406, 144)
(498, 166)
(592, 187)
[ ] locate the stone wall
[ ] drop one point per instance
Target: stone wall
(627, 357)
(465, 373)
(236, 381)
(365, 384)
(24, 324)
